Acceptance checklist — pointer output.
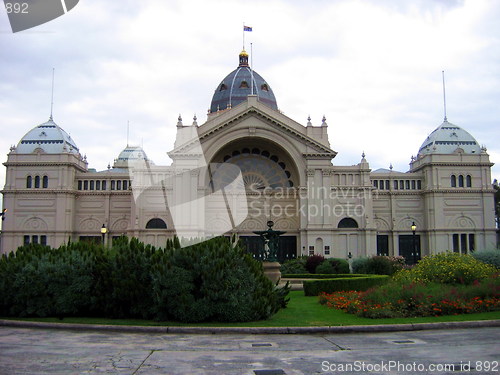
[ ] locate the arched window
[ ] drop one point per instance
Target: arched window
(453, 180)
(156, 223)
(244, 85)
(460, 181)
(45, 182)
(468, 181)
(28, 182)
(37, 181)
(348, 222)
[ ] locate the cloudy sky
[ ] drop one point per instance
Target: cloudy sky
(373, 68)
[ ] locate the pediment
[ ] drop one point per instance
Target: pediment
(267, 118)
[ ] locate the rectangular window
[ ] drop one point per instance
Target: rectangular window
(118, 185)
(456, 246)
(92, 185)
(413, 184)
(327, 250)
(85, 185)
(104, 185)
(311, 250)
(80, 185)
(396, 186)
(34, 239)
(125, 185)
(387, 186)
(407, 184)
(26, 240)
(98, 185)
(472, 245)
(112, 184)
(401, 184)
(463, 243)
(375, 183)
(419, 185)
(43, 240)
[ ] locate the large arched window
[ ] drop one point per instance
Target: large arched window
(460, 181)
(29, 182)
(348, 222)
(156, 223)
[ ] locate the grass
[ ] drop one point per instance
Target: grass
(302, 311)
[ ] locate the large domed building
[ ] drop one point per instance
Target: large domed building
(246, 165)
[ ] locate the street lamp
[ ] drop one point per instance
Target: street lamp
(104, 230)
(413, 229)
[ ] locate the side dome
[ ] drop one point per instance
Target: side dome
(238, 84)
(130, 154)
(48, 137)
(449, 139)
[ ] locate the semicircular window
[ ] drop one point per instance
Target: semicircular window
(156, 223)
(348, 222)
(258, 172)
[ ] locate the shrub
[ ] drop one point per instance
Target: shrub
(447, 268)
(384, 265)
(293, 266)
(333, 266)
(213, 280)
(488, 256)
(314, 261)
(359, 265)
(315, 287)
(320, 276)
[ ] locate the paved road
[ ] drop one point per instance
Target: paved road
(45, 351)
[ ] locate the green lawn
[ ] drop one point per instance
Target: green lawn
(301, 312)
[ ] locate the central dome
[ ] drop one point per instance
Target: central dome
(241, 82)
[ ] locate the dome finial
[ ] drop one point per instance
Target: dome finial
(243, 58)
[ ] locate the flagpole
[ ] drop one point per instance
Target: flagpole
(251, 65)
(243, 36)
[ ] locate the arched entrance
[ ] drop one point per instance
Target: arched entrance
(270, 177)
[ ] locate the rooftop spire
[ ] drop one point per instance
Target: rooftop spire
(52, 95)
(444, 97)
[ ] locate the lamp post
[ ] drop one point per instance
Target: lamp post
(104, 230)
(413, 229)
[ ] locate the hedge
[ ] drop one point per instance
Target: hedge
(314, 287)
(321, 276)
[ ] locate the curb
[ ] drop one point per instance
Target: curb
(252, 330)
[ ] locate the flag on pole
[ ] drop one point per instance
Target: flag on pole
(247, 28)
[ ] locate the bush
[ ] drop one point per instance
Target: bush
(314, 261)
(384, 265)
(210, 281)
(447, 268)
(315, 287)
(333, 266)
(359, 265)
(293, 266)
(213, 281)
(488, 256)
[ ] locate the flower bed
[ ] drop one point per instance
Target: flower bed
(418, 299)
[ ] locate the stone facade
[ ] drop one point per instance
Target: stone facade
(286, 174)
